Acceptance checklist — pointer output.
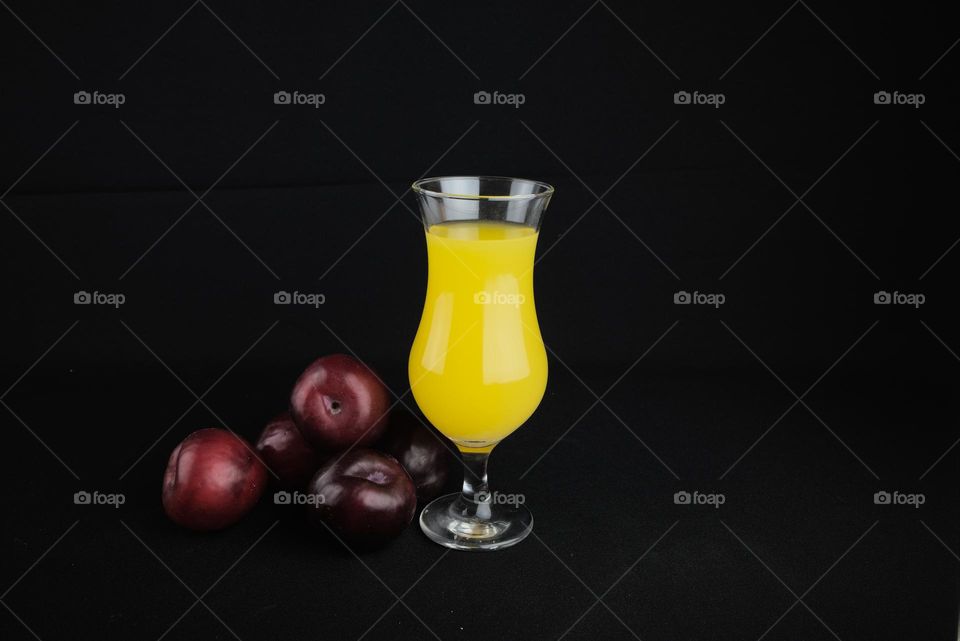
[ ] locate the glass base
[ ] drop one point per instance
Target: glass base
(457, 523)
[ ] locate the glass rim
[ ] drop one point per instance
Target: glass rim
(545, 189)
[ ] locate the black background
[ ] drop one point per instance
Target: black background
(693, 198)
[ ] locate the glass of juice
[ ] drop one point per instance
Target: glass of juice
(478, 367)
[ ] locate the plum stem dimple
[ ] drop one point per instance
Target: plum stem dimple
(378, 477)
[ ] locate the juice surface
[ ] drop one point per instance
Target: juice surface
(478, 368)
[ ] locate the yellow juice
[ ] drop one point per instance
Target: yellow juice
(478, 368)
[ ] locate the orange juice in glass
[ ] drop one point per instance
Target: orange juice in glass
(478, 366)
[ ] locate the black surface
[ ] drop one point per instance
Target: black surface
(707, 401)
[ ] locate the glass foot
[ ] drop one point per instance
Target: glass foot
(457, 523)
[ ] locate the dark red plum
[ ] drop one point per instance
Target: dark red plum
(420, 450)
(366, 498)
(212, 479)
(338, 402)
(285, 452)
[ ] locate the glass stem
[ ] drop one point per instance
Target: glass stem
(476, 494)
